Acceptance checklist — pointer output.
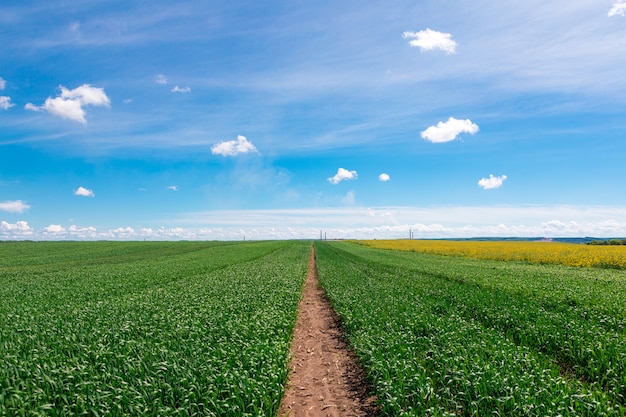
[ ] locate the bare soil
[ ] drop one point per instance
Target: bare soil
(325, 379)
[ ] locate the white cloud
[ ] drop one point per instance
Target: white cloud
(17, 206)
(357, 223)
(161, 79)
(342, 174)
(448, 131)
(428, 40)
(32, 107)
(17, 230)
(84, 192)
(233, 147)
(5, 102)
(619, 8)
(173, 187)
(122, 232)
(384, 177)
(394, 222)
(178, 89)
(69, 104)
(492, 182)
(54, 229)
(82, 232)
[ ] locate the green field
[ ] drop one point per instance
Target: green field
(114, 328)
(443, 335)
(204, 328)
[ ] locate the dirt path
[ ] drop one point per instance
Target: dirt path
(325, 379)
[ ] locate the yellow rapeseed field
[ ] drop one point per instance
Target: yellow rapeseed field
(537, 252)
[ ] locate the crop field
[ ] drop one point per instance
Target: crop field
(453, 336)
(147, 328)
(534, 252)
(204, 328)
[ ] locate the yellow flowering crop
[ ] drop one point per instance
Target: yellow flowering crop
(536, 252)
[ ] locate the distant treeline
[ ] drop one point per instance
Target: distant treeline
(608, 242)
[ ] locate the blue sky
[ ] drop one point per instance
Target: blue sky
(278, 119)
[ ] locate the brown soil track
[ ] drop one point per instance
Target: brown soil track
(325, 379)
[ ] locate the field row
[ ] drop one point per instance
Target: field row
(147, 329)
(536, 252)
(452, 336)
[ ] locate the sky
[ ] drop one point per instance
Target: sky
(279, 119)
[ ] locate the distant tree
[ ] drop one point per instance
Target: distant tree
(608, 242)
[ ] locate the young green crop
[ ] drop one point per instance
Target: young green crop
(437, 339)
(187, 328)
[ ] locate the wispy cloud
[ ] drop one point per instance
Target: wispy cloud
(69, 104)
(3, 83)
(161, 79)
(178, 89)
(448, 131)
(84, 192)
(17, 206)
(492, 182)
(384, 177)
(173, 187)
(341, 175)
(233, 147)
(619, 8)
(349, 199)
(429, 40)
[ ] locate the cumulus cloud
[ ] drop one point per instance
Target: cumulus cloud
(5, 102)
(84, 192)
(69, 104)
(17, 206)
(448, 131)
(492, 182)
(428, 40)
(54, 229)
(82, 232)
(342, 174)
(17, 230)
(619, 8)
(178, 89)
(161, 79)
(173, 187)
(384, 177)
(233, 147)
